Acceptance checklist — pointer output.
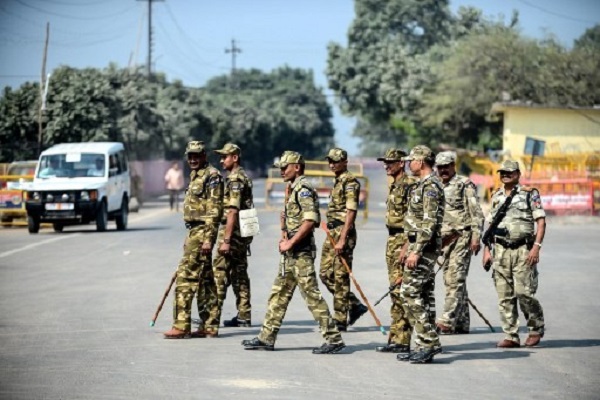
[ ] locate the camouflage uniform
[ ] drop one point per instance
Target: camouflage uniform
(397, 204)
(232, 269)
(513, 278)
(296, 266)
(333, 274)
(422, 225)
(202, 211)
(462, 217)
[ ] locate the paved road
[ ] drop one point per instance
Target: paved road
(75, 309)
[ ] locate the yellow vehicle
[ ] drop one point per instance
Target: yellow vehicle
(321, 178)
(18, 176)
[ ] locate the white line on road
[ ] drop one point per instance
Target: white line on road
(31, 246)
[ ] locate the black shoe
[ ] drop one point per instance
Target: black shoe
(235, 322)
(461, 331)
(329, 348)
(356, 313)
(424, 356)
(393, 348)
(404, 356)
(257, 344)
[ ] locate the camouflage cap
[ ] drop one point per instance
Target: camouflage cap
(337, 154)
(509, 166)
(419, 152)
(195, 146)
(393, 154)
(289, 157)
(229, 148)
(445, 158)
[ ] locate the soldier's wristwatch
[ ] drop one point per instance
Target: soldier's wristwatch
(538, 244)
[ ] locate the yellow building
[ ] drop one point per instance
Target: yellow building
(569, 130)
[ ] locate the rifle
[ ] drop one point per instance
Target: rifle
(162, 302)
(332, 241)
(500, 214)
(390, 290)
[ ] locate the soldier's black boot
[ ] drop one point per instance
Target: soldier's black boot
(236, 322)
(257, 344)
(356, 312)
(393, 348)
(329, 348)
(424, 355)
(404, 356)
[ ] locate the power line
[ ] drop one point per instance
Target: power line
(149, 61)
(74, 17)
(556, 14)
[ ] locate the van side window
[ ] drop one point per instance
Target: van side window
(114, 164)
(122, 161)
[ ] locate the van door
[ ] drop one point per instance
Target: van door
(118, 179)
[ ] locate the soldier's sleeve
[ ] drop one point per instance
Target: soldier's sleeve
(214, 207)
(474, 209)
(431, 204)
(352, 192)
(535, 204)
(235, 187)
(308, 208)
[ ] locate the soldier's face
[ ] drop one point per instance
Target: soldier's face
(510, 177)
(393, 168)
(290, 172)
(446, 172)
(415, 166)
(337, 167)
(195, 160)
(228, 161)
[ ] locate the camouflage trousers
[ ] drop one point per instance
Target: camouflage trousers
(232, 270)
(400, 327)
(417, 290)
(297, 270)
(516, 281)
(336, 278)
(457, 258)
(195, 276)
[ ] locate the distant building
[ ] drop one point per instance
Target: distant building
(568, 130)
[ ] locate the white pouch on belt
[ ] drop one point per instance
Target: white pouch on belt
(249, 222)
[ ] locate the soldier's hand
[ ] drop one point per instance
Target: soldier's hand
(487, 256)
(285, 245)
(397, 283)
(475, 246)
(402, 256)
(224, 248)
(206, 248)
(412, 261)
(339, 247)
(534, 256)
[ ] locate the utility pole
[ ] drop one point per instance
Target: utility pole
(43, 90)
(233, 50)
(149, 60)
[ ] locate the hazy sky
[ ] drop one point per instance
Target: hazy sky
(190, 36)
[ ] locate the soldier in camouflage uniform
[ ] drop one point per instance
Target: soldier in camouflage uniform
(296, 267)
(202, 211)
(397, 204)
(516, 253)
(341, 214)
(461, 234)
(422, 225)
(231, 263)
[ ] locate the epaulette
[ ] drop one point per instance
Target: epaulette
(527, 188)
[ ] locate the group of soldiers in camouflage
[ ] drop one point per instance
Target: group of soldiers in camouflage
(428, 215)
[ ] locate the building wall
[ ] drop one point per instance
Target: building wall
(564, 131)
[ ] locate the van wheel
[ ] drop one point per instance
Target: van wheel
(101, 218)
(33, 224)
(58, 227)
(123, 216)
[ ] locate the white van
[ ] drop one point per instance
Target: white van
(79, 183)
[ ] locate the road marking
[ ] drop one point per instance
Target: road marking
(31, 246)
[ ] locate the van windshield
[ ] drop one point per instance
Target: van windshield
(72, 165)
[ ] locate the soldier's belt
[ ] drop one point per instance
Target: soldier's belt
(334, 224)
(304, 245)
(395, 231)
(193, 224)
(515, 244)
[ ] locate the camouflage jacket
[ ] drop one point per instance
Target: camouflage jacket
(343, 197)
(203, 200)
(462, 209)
(525, 208)
(423, 220)
(397, 201)
(302, 205)
(238, 195)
